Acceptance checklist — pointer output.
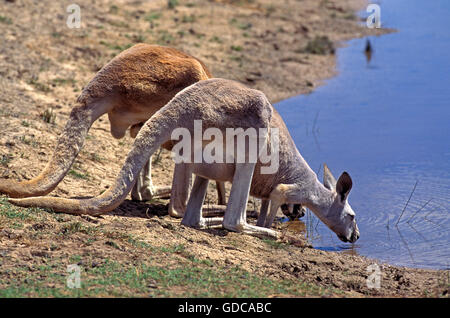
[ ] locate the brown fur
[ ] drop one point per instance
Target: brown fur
(130, 88)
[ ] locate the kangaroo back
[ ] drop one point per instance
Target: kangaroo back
(217, 103)
(135, 83)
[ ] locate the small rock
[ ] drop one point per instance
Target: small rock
(152, 284)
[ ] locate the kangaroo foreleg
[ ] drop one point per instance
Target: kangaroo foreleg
(193, 215)
(221, 194)
(181, 186)
(235, 214)
(274, 206)
(263, 212)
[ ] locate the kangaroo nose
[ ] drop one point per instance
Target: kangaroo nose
(354, 237)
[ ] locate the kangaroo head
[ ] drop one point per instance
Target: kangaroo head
(340, 216)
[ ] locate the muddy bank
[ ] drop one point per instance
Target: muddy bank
(43, 67)
(145, 247)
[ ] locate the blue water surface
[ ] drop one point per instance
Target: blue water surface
(387, 122)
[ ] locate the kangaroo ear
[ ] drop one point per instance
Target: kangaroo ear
(328, 180)
(344, 185)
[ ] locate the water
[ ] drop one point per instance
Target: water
(387, 124)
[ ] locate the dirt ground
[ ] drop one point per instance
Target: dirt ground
(43, 67)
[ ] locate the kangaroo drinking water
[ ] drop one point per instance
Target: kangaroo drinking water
(223, 104)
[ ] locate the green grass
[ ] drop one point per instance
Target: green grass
(188, 18)
(77, 227)
(192, 279)
(165, 37)
(275, 244)
(63, 81)
(240, 25)
(153, 16)
(166, 271)
(216, 39)
(320, 45)
(39, 86)
(12, 213)
(113, 9)
(56, 35)
(5, 20)
(116, 47)
(5, 160)
(49, 116)
(96, 157)
(171, 4)
(79, 175)
(29, 141)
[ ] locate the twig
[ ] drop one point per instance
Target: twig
(387, 227)
(437, 224)
(315, 121)
(419, 210)
(407, 202)
(418, 233)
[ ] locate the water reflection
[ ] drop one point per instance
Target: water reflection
(368, 51)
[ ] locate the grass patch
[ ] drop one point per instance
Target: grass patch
(116, 47)
(5, 160)
(13, 213)
(63, 81)
(165, 37)
(111, 278)
(49, 116)
(77, 227)
(241, 25)
(95, 157)
(5, 20)
(79, 175)
(56, 35)
(188, 18)
(171, 4)
(153, 16)
(275, 244)
(216, 39)
(320, 45)
(178, 249)
(29, 141)
(113, 9)
(137, 38)
(39, 86)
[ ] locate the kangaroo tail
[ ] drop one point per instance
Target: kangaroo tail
(218, 103)
(68, 146)
(155, 132)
